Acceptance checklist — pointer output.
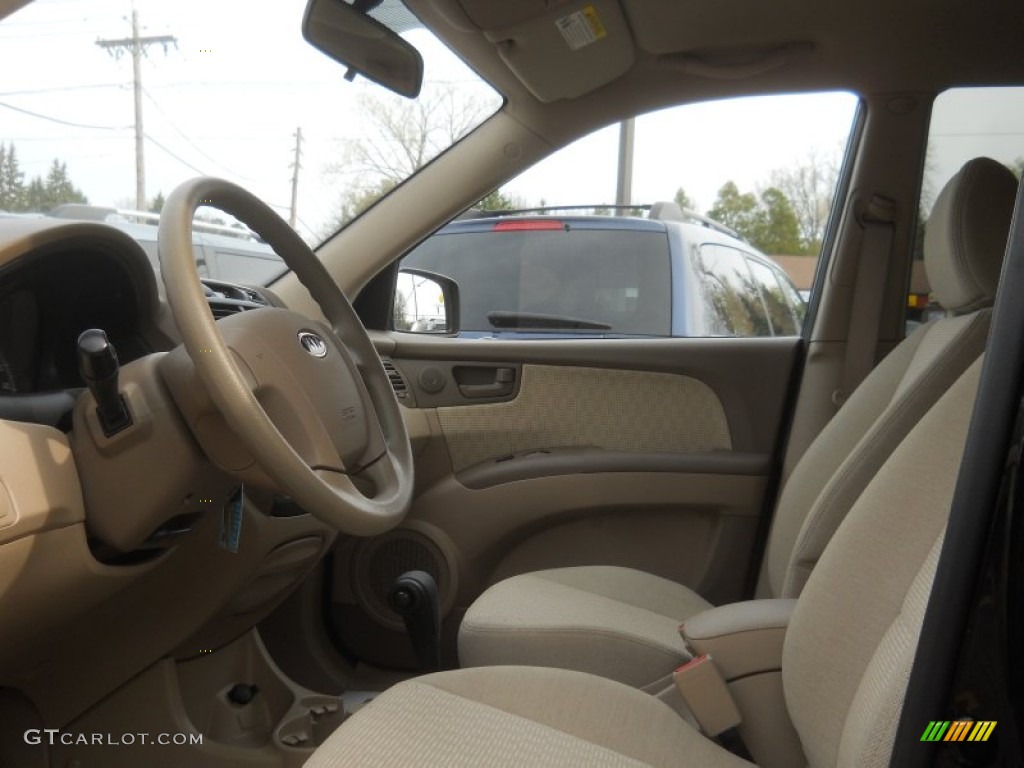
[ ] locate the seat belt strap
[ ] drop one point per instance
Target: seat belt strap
(879, 227)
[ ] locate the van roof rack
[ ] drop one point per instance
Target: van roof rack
(586, 209)
(670, 211)
(661, 211)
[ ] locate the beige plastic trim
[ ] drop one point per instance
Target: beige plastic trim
(39, 488)
(894, 123)
(533, 524)
(556, 462)
(76, 629)
(144, 476)
(189, 698)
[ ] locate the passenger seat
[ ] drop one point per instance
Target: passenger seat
(622, 623)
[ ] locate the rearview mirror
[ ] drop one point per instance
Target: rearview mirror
(425, 302)
(364, 45)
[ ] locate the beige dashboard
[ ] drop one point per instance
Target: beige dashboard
(113, 549)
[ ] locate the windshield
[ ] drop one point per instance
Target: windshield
(112, 105)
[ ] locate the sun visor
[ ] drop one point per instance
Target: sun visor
(569, 51)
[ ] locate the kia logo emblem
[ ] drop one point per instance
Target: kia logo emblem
(313, 344)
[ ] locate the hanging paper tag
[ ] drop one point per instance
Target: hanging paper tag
(231, 521)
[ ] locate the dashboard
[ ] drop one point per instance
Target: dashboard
(47, 302)
(57, 279)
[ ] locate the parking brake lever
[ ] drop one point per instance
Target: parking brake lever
(97, 362)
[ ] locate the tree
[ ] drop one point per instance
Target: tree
(35, 197)
(400, 312)
(405, 135)
(733, 209)
(775, 228)
(59, 189)
(156, 205)
(809, 188)
(766, 220)
(684, 201)
(40, 194)
(497, 201)
(12, 189)
(400, 137)
(352, 202)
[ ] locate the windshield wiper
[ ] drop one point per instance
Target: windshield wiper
(543, 321)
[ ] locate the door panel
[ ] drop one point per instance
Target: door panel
(649, 454)
(574, 407)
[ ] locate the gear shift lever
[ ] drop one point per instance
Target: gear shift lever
(413, 596)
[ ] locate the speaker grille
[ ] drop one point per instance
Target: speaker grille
(381, 560)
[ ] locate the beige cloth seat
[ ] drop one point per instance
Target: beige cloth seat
(622, 623)
(846, 659)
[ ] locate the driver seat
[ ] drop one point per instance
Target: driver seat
(845, 664)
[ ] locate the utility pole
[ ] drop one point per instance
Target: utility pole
(624, 185)
(137, 47)
(293, 215)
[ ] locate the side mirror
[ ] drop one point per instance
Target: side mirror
(425, 302)
(351, 37)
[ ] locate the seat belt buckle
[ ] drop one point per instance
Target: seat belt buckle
(707, 695)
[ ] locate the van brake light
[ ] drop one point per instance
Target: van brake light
(528, 225)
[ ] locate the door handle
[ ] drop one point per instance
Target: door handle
(503, 384)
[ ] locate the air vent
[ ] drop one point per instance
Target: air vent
(395, 377)
(227, 299)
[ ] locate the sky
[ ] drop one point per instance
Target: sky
(227, 100)
(697, 147)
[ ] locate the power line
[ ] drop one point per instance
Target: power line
(176, 157)
(65, 139)
(52, 119)
(137, 47)
(187, 138)
(63, 88)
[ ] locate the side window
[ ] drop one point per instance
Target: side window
(785, 314)
(794, 301)
(564, 249)
(733, 305)
(966, 123)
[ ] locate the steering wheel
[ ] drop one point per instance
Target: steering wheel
(310, 402)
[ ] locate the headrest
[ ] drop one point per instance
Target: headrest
(965, 238)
